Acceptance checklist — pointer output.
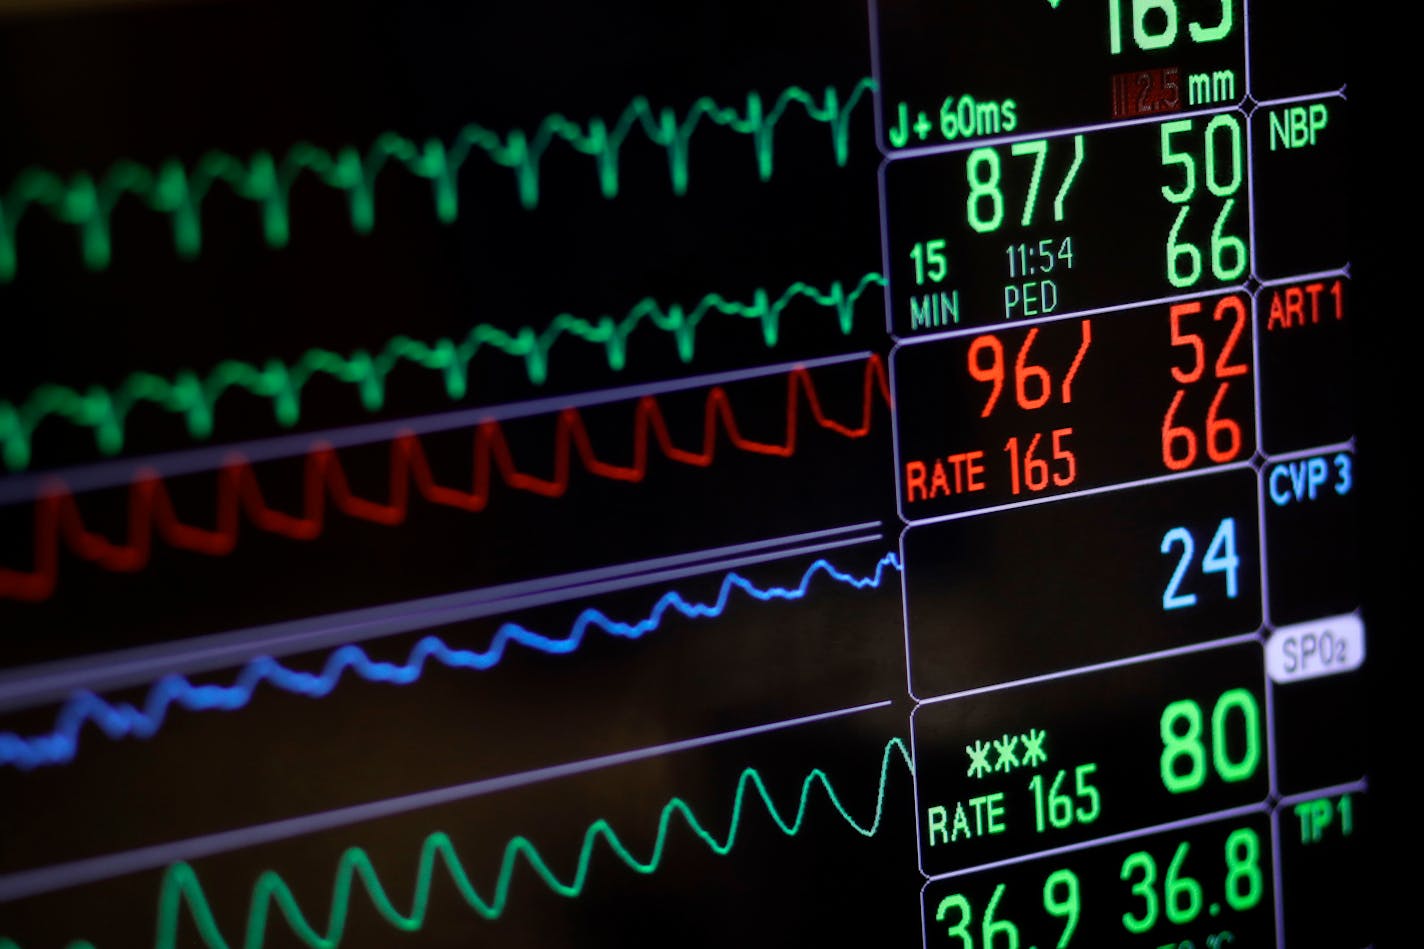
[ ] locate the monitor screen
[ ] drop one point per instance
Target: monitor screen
(701, 474)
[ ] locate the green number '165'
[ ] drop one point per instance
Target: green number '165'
(1165, 33)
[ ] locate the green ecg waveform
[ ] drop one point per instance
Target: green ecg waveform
(106, 412)
(178, 190)
(182, 889)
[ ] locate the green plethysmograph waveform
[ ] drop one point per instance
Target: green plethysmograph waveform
(194, 397)
(176, 189)
(182, 898)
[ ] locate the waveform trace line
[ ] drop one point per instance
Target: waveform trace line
(24, 487)
(151, 511)
(194, 398)
(20, 884)
(124, 720)
(181, 887)
(53, 681)
(178, 191)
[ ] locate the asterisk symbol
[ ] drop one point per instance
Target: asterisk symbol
(1033, 752)
(1005, 747)
(978, 759)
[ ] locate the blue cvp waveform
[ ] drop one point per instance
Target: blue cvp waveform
(124, 720)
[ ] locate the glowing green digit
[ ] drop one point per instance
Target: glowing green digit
(1171, 156)
(1149, 41)
(1143, 860)
(1068, 907)
(1184, 745)
(1242, 701)
(1086, 790)
(1184, 895)
(1243, 856)
(1038, 150)
(1220, 244)
(981, 187)
(1226, 121)
(1202, 34)
(1035, 785)
(1060, 806)
(961, 928)
(993, 928)
(949, 120)
(1176, 251)
(1068, 182)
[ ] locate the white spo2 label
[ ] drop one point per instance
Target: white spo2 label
(1321, 647)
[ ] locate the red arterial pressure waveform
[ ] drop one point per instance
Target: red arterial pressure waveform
(151, 513)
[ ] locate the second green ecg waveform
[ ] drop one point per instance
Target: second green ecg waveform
(194, 398)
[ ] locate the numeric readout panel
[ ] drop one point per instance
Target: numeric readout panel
(1066, 223)
(1012, 771)
(1048, 587)
(1208, 885)
(1025, 412)
(1092, 62)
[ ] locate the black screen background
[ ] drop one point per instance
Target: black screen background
(85, 87)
